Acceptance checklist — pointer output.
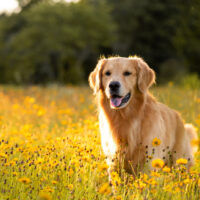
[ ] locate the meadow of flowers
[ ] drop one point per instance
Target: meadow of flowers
(50, 148)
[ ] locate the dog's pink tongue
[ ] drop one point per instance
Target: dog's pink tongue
(115, 102)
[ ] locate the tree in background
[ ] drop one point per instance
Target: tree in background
(146, 28)
(26, 4)
(165, 33)
(187, 40)
(50, 41)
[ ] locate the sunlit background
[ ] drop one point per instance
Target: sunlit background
(8, 6)
(60, 41)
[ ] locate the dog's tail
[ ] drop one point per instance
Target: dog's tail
(191, 132)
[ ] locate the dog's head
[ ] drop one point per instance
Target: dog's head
(120, 78)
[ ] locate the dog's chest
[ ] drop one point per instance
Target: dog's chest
(118, 134)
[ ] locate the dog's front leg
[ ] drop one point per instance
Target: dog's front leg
(111, 168)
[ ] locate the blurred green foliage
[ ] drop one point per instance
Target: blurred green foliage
(51, 41)
(55, 41)
(191, 81)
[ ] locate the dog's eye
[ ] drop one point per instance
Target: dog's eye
(108, 73)
(126, 73)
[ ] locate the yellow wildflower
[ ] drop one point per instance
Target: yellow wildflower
(14, 173)
(156, 142)
(150, 157)
(103, 167)
(116, 180)
(43, 179)
(70, 187)
(48, 189)
(24, 180)
(166, 169)
(167, 188)
(152, 181)
(117, 197)
(140, 184)
(157, 163)
(145, 177)
(177, 190)
(12, 163)
(41, 112)
(45, 196)
(54, 182)
(71, 172)
(39, 160)
(181, 161)
(3, 155)
(105, 189)
(156, 174)
(187, 181)
(153, 191)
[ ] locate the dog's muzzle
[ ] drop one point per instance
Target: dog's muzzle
(118, 101)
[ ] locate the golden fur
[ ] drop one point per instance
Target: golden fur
(131, 129)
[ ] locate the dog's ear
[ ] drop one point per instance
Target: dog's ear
(96, 76)
(146, 76)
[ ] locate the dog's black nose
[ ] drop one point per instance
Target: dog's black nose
(114, 86)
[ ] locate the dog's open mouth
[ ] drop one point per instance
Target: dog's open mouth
(118, 101)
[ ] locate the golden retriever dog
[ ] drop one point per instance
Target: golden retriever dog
(130, 117)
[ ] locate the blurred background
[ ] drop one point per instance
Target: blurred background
(52, 41)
